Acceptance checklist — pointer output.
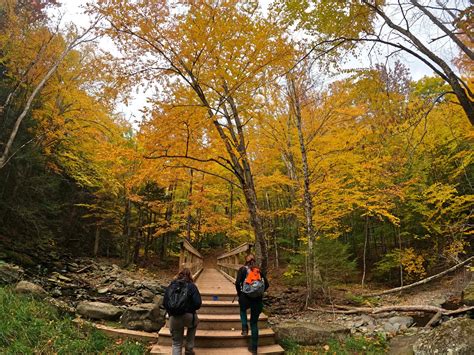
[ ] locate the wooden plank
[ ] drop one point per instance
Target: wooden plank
(220, 334)
(241, 248)
(267, 349)
(230, 266)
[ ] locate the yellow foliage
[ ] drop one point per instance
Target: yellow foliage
(412, 264)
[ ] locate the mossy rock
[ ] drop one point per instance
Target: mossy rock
(20, 259)
(306, 333)
(452, 337)
(468, 294)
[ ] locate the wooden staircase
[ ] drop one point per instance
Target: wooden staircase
(219, 322)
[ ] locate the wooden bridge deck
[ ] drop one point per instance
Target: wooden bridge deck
(214, 286)
(219, 327)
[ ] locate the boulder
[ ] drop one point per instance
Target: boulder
(99, 310)
(147, 316)
(404, 322)
(468, 294)
(452, 337)
(20, 258)
(10, 273)
(30, 288)
(402, 344)
(120, 289)
(391, 328)
(62, 306)
(158, 299)
(305, 333)
(364, 320)
(147, 295)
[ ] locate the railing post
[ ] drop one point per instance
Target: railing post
(181, 258)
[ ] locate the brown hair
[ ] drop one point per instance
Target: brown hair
(186, 275)
(250, 260)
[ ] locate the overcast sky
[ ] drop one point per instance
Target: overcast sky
(72, 12)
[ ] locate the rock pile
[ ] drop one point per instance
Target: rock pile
(391, 324)
(452, 337)
(96, 291)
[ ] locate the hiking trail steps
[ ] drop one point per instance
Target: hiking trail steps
(219, 326)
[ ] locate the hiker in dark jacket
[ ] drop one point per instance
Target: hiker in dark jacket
(184, 316)
(246, 302)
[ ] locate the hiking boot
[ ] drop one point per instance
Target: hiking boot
(189, 352)
(245, 330)
(252, 349)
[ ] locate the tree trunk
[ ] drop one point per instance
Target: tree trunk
(312, 273)
(231, 207)
(126, 232)
(261, 251)
(275, 245)
(409, 308)
(400, 248)
(189, 217)
(96, 240)
(364, 257)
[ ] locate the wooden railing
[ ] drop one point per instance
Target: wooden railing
(230, 262)
(190, 258)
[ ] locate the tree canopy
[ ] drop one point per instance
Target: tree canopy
(253, 133)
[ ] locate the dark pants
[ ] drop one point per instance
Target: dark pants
(256, 307)
(177, 325)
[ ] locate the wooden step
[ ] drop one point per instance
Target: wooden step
(267, 349)
(219, 307)
(219, 296)
(221, 338)
(225, 321)
(120, 332)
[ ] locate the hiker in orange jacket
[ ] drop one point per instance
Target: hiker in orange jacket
(250, 285)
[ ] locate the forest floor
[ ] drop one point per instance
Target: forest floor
(287, 303)
(291, 300)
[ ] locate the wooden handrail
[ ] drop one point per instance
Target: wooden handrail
(190, 258)
(229, 263)
(187, 245)
(237, 250)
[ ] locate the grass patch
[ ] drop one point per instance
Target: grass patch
(31, 326)
(358, 345)
(349, 346)
(291, 347)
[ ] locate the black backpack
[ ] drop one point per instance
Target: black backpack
(176, 298)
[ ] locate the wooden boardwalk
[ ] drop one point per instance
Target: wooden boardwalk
(213, 285)
(219, 327)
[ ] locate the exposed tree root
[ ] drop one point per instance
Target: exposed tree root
(410, 308)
